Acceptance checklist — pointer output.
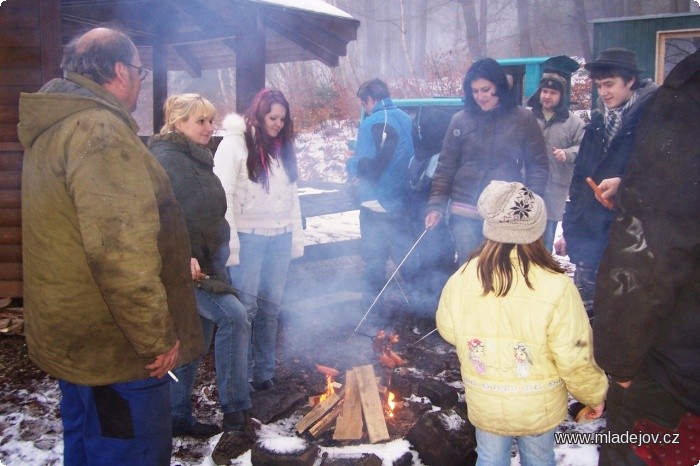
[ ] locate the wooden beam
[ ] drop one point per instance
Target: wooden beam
(324, 55)
(200, 37)
(188, 61)
(160, 84)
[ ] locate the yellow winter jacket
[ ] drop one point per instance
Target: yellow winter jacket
(519, 354)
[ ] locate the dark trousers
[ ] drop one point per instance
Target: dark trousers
(384, 236)
(116, 425)
(644, 399)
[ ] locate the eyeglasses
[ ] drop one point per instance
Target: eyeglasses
(143, 72)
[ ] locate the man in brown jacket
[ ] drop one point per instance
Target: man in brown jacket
(108, 296)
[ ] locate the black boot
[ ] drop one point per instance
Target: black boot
(236, 421)
(196, 430)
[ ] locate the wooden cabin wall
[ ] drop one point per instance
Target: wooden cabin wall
(30, 54)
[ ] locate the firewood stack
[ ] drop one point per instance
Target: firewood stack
(356, 407)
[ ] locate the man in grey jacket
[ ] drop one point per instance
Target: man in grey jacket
(562, 130)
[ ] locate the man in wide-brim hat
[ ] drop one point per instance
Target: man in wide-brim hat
(603, 155)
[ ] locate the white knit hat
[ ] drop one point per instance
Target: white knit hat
(512, 213)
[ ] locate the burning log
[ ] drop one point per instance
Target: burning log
(317, 413)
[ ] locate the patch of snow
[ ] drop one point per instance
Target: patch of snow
(452, 421)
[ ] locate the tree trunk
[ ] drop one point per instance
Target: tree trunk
(371, 51)
(472, 27)
(483, 22)
(581, 21)
(404, 40)
(420, 37)
(524, 28)
(680, 6)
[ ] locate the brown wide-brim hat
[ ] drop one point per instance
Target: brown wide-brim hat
(615, 58)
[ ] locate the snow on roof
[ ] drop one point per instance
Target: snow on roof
(313, 6)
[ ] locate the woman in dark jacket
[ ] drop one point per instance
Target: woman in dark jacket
(180, 147)
(493, 138)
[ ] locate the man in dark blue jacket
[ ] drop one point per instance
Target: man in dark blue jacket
(605, 149)
(379, 166)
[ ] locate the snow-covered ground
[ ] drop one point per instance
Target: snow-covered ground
(30, 431)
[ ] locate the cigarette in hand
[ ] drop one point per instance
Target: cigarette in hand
(173, 376)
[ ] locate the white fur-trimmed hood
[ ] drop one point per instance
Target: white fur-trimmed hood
(233, 124)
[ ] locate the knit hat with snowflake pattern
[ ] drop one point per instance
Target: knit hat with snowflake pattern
(512, 213)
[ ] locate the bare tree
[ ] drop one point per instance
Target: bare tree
(524, 28)
(420, 36)
(472, 27)
(404, 42)
(581, 22)
(680, 6)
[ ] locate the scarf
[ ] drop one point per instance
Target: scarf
(614, 116)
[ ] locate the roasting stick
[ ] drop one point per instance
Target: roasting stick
(389, 281)
(424, 337)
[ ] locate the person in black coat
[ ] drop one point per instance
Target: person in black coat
(647, 303)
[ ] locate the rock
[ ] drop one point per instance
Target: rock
(366, 459)
(443, 438)
(262, 457)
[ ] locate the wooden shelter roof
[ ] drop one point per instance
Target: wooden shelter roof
(202, 34)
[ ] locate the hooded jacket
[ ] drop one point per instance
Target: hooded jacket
(107, 284)
(249, 205)
(564, 131)
(483, 146)
(190, 167)
(586, 221)
(382, 153)
(647, 302)
(520, 353)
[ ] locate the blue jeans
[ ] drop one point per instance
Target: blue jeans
(117, 424)
(535, 450)
(549, 234)
(260, 278)
(230, 354)
(468, 235)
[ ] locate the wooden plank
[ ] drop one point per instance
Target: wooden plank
(317, 413)
(10, 235)
(371, 404)
(20, 74)
(22, 56)
(10, 199)
(9, 114)
(51, 46)
(10, 179)
(349, 425)
(11, 271)
(326, 421)
(9, 95)
(8, 132)
(10, 217)
(11, 289)
(10, 253)
(16, 37)
(11, 161)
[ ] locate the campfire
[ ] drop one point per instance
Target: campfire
(357, 405)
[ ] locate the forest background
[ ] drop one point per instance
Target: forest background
(423, 48)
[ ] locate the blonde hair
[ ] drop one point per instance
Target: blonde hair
(182, 106)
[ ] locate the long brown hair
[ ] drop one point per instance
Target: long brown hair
(495, 268)
(261, 147)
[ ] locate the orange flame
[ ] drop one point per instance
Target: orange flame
(329, 388)
(390, 404)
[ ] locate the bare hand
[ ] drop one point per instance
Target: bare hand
(609, 187)
(624, 384)
(164, 362)
(196, 270)
(432, 219)
(560, 247)
(559, 154)
(597, 411)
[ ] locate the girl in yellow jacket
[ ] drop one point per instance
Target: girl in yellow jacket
(521, 332)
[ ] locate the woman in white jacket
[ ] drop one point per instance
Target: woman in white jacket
(257, 167)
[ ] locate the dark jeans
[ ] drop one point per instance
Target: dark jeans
(584, 279)
(383, 236)
(468, 235)
(117, 424)
(644, 399)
